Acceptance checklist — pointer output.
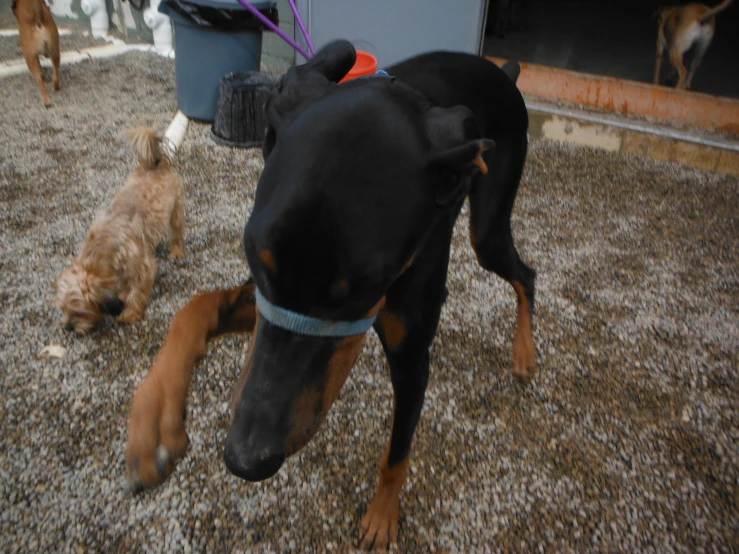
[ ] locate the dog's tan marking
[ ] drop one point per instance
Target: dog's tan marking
(408, 264)
(379, 527)
(479, 162)
(339, 367)
(393, 328)
(246, 369)
(374, 310)
(305, 418)
(312, 406)
(268, 259)
(524, 351)
(340, 289)
(156, 422)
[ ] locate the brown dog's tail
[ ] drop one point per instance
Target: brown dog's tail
(147, 146)
(715, 11)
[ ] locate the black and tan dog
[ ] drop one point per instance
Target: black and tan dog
(351, 228)
(682, 30)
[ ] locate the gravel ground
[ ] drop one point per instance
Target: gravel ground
(627, 440)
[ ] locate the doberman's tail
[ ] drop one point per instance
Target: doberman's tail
(513, 69)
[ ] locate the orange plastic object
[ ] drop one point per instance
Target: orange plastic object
(366, 64)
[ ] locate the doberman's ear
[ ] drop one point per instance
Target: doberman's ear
(304, 84)
(457, 151)
(334, 60)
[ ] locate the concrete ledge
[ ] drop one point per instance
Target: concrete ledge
(628, 97)
(571, 129)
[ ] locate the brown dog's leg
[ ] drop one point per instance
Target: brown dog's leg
(136, 293)
(700, 51)
(52, 48)
(156, 425)
(34, 65)
(177, 230)
(676, 58)
(658, 64)
(56, 61)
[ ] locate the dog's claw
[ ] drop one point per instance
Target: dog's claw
(163, 460)
(134, 486)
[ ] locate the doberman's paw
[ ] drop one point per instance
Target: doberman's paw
(156, 436)
(524, 358)
(379, 527)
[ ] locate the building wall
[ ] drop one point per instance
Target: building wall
(275, 51)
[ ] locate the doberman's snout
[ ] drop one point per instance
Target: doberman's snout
(252, 464)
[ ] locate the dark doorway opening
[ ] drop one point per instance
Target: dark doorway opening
(615, 38)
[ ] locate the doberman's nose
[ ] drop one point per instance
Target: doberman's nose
(252, 465)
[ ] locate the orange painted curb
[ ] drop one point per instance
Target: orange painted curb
(628, 97)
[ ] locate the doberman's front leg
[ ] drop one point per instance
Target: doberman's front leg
(380, 524)
(406, 341)
(156, 426)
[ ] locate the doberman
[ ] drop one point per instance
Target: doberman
(351, 229)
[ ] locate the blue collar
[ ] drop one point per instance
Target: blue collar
(311, 326)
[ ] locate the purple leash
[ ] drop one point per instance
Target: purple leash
(272, 27)
(303, 30)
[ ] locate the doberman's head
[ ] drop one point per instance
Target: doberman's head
(356, 175)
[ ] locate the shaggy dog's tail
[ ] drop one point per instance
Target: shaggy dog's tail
(147, 145)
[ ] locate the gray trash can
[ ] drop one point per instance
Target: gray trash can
(208, 46)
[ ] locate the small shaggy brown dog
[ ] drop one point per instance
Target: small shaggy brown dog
(114, 273)
(684, 29)
(39, 36)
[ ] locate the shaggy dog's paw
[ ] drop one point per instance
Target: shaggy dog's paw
(177, 253)
(130, 315)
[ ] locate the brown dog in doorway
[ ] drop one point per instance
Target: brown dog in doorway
(682, 29)
(38, 36)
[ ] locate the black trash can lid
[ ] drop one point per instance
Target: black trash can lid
(221, 14)
(234, 4)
